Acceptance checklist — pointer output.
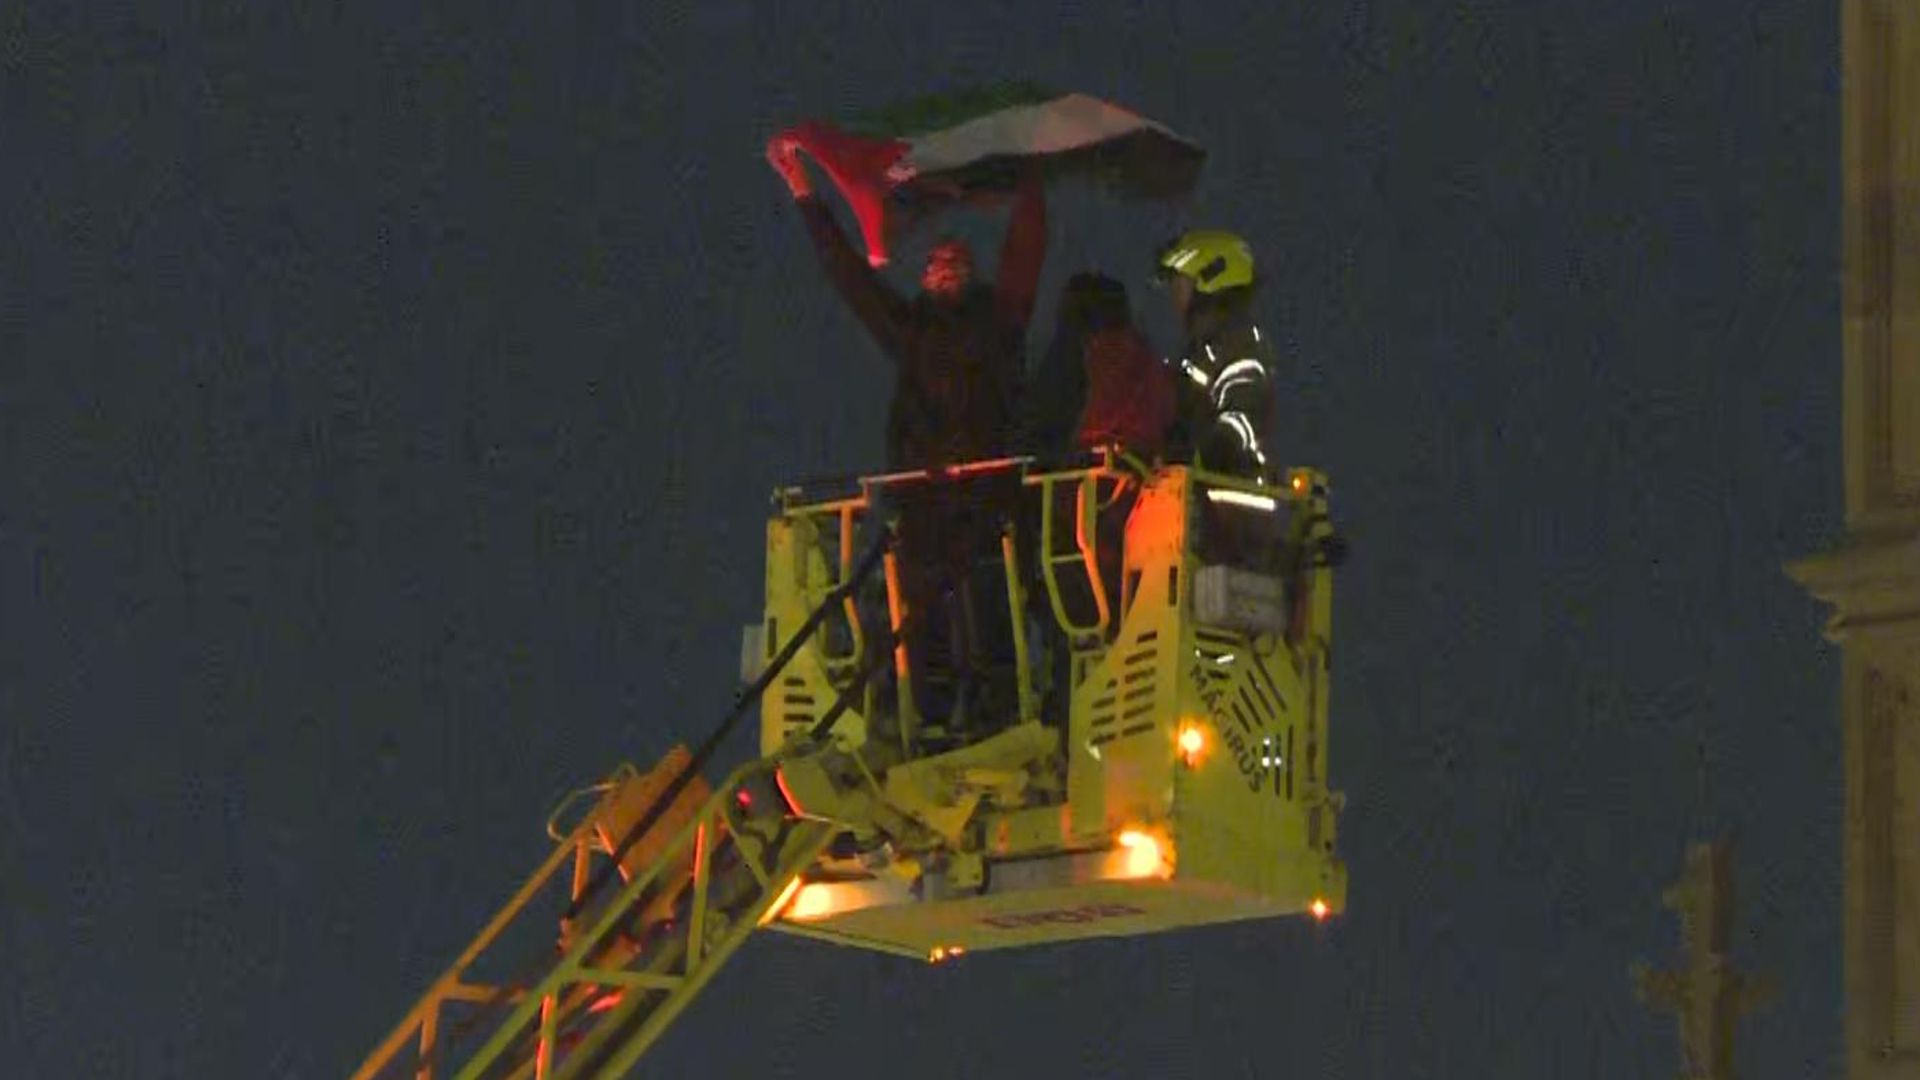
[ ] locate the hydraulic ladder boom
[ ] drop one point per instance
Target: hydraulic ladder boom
(636, 958)
(730, 867)
(700, 871)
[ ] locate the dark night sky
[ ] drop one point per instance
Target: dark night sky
(389, 404)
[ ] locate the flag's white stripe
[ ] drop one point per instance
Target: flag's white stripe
(1065, 123)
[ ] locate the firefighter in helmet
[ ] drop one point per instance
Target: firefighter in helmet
(1226, 366)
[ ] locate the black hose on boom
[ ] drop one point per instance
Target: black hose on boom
(743, 700)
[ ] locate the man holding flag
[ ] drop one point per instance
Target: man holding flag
(959, 347)
(959, 351)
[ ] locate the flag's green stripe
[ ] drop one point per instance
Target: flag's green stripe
(940, 111)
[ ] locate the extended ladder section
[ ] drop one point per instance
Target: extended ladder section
(656, 943)
(698, 869)
(692, 890)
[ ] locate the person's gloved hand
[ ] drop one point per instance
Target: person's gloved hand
(783, 153)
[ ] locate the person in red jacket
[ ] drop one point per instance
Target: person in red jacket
(1099, 382)
(1131, 399)
(1100, 385)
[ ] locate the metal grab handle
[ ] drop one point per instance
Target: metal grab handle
(839, 664)
(1086, 534)
(851, 606)
(1086, 506)
(559, 835)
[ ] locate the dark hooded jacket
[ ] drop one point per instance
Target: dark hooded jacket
(957, 366)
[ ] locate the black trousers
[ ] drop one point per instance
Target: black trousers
(947, 529)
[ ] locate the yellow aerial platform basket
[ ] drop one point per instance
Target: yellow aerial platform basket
(1172, 772)
(1145, 749)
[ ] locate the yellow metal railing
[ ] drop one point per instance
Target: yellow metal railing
(1092, 495)
(1086, 553)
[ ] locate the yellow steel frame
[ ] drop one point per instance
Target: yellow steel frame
(1287, 807)
(1017, 605)
(816, 591)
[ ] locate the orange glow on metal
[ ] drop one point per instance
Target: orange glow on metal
(1155, 522)
(780, 781)
(896, 615)
(1320, 909)
(972, 467)
(543, 1054)
(964, 469)
(606, 1001)
(699, 847)
(812, 902)
(786, 894)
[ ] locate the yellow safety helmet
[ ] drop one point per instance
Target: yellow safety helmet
(1214, 259)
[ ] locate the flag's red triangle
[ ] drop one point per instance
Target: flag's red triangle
(859, 168)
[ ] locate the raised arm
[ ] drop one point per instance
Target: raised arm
(1022, 254)
(878, 307)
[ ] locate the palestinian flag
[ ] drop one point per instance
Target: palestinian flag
(898, 167)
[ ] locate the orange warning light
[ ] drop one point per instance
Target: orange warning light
(812, 902)
(1192, 743)
(1143, 853)
(1320, 909)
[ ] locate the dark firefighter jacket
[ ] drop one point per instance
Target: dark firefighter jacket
(1226, 386)
(957, 367)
